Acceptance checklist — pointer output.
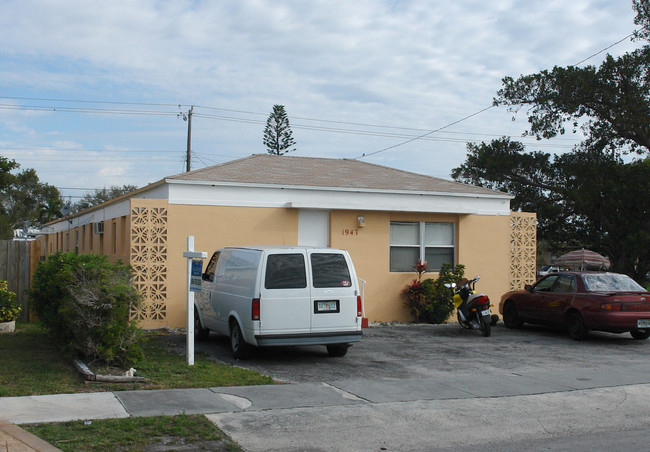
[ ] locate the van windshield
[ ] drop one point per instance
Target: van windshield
(285, 271)
(330, 270)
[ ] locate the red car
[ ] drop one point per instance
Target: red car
(580, 302)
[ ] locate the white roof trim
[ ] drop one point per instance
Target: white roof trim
(496, 195)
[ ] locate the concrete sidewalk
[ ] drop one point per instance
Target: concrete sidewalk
(361, 392)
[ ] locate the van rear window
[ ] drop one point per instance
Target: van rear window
(330, 270)
(285, 271)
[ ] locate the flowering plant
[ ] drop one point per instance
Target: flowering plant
(9, 306)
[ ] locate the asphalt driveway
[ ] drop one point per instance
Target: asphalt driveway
(420, 351)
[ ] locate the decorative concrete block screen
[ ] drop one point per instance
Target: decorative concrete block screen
(149, 261)
(523, 249)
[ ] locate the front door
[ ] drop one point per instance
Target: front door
(314, 228)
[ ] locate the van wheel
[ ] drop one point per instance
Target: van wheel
(337, 350)
(200, 333)
(240, 349)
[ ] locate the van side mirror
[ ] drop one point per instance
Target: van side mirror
(528, 288)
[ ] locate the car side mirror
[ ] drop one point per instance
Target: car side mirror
(528, 288)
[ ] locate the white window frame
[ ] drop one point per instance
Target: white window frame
(422, 243)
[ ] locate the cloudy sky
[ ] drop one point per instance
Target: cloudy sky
(90, 91)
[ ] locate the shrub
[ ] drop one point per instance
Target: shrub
(83, 301)
(9, 305)
(429, 300)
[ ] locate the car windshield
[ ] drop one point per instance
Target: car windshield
(610, 282)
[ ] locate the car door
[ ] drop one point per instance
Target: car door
(559, 299)
(203, 299)
(333, 292)
(536, 301)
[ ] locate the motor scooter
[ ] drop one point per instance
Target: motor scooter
(473, 308)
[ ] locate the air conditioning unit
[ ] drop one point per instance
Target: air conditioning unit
(98, 228)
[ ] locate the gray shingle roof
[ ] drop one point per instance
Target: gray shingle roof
(264, 169)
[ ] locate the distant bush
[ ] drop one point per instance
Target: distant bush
(429, 300)
(83, 301)
(9, 305)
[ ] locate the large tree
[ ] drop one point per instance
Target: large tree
(24, 200)
(589, 197)
(585, 198)
(610, 103)
(102, 195)
(278, 137)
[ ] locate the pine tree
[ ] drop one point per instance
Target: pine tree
(277, 134)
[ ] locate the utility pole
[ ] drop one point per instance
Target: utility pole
(189, 138)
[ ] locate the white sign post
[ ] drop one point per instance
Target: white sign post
(191, 255)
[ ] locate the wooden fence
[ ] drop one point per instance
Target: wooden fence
(15, 266)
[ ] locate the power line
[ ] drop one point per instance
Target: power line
(425, 135)
(606, 48)
(487, 108)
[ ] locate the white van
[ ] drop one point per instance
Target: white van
(269, 296)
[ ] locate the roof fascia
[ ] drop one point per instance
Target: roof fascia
(496, 195)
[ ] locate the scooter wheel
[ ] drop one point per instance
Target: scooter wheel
(486, 326)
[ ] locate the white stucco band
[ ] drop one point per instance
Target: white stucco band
(249, 195)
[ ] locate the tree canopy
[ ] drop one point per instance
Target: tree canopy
(24, 200)
(278, 137)
(102, 195)
(590, 197)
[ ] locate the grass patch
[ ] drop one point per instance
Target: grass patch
(173, 432)
(31, 365)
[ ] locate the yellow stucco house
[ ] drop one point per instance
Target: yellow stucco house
(386, 219)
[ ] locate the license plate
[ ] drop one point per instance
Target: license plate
(327, 306)
(643, 323)
(486, 312)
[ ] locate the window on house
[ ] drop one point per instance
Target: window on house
(431, 242)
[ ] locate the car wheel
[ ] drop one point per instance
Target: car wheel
(511, 316)
(240, 349)
(337, 350)
(576, 326)
(200, 333)
(640, 334)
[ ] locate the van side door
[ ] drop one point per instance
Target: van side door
(334, 292)
(284, 300)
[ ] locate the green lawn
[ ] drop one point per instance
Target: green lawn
(135, 434)
(31, 365)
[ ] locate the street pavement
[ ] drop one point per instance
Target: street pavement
(432, 410)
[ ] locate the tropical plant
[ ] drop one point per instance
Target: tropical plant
(429, 300)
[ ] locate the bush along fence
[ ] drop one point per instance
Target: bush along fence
(84, 302)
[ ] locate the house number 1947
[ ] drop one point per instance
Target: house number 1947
(349, 232)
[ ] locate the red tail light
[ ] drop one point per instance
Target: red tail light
(255, 309)
(359, 307)
(639, 307)
(610, 307)
(480, 301)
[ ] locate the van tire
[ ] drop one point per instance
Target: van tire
(240, 349)
(200, 333)
(337, 350)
